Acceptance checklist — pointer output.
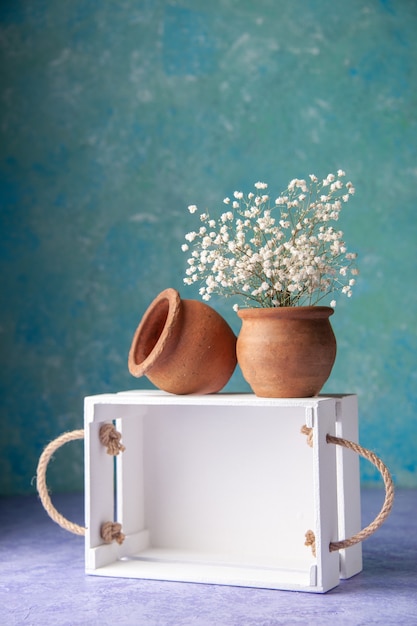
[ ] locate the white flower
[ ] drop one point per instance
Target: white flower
(333, 304)
(282, 254)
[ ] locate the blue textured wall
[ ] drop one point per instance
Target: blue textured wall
(117, 115)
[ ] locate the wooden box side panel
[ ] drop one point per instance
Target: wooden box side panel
(348, 485)
(325, 494)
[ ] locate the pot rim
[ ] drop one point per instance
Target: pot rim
(171, 298)
(287, 312)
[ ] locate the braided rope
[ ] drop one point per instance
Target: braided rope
(110, 438)
(389, 493)
(41, 481)
(388, 501)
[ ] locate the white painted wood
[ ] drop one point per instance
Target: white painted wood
(218, 481)
(325, 492)
(130, 474)
(218, 488)
(348, 479)
(106, 554)
(99, 482)
(210, 573)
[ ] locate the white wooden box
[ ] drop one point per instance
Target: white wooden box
(222, 489)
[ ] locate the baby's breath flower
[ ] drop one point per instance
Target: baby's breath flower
(284, 254)
(336, 185)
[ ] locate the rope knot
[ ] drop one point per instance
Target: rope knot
(112, 531)
(311, 541)
(110, 438)
(305, 430)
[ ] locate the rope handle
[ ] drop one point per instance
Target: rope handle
(110, 438)
(112, 531)
(41, 481)
(388, 501)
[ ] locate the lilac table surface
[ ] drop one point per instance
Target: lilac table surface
(42, 579)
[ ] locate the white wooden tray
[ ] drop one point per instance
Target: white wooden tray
(222, 489)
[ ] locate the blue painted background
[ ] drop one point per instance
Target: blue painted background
(114, 116)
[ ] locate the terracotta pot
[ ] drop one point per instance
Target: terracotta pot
(286, 352)
(183, 346)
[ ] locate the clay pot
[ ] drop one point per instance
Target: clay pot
(286, 352)
(183, 346)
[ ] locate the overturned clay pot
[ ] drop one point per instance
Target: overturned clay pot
(183, 346)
